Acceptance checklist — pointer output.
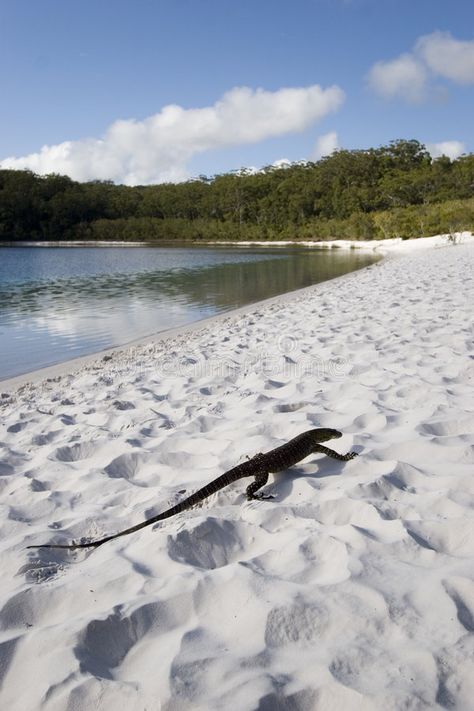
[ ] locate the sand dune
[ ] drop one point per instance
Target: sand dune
(352, 589)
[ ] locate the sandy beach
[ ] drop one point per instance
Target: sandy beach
(351, 590)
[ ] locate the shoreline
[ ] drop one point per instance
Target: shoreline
(382, 245)
(72, 365)
(391, 248)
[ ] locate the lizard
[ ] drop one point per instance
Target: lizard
(259, 466)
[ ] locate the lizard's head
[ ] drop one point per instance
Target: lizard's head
(324, 434)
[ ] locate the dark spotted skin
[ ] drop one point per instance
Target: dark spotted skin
(260, 466)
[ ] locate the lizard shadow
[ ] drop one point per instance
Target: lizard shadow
(282, 485)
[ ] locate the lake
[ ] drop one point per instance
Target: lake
(58, 303)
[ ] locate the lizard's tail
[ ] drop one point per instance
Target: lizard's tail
(197, 497)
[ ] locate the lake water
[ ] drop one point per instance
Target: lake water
(57, 303)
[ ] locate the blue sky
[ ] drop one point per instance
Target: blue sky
(90, 80)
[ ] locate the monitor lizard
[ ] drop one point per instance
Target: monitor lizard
(259, 466)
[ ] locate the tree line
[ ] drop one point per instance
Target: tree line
(397, 190)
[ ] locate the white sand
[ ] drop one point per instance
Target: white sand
(383, 246)
(352, 590)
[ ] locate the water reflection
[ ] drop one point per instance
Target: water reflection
(94, 298)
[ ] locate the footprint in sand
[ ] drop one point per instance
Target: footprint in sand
(298, 622)
(75, 452)
(6, 469)
(41, 439)
(39, 571)
(461, 591)
(18, 426)
(68, 420)
(124, 466)
(371, 422)
(153, 429)
(211, 544)
(37, 485)
(290, 407)
(104, 644)
(123, 405)
(454, 537)
(320, 561)
(446, 428)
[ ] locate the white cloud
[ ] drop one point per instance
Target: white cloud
(404, 77)
(436, 55)
(325, 145)
(448, 57)
(159, 148)
(452, 149)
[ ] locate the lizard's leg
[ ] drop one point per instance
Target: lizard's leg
(259, 455)
(260, 480)
(335, 455)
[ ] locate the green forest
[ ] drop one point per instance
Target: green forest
(397, 190)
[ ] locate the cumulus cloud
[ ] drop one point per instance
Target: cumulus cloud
(447, 56)
(438, 54)
(159, 148)
(404, 77)
(452, 149)
(325, 145)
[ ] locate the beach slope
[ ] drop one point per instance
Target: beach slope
(352, 589)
